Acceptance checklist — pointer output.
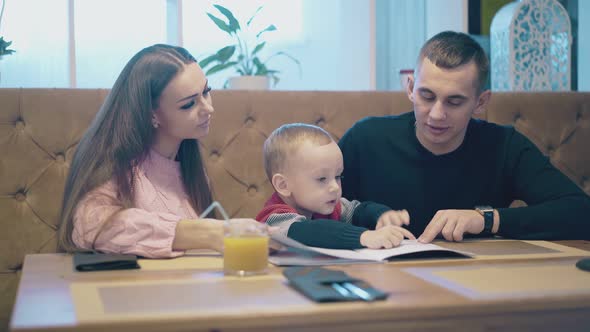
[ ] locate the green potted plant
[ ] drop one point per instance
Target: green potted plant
(4, 50)
(243, 55)
(4, 44)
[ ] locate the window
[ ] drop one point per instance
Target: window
(335, 54)
(39, 32)
(106, 38)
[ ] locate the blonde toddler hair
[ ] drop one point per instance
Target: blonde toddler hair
(284, 142)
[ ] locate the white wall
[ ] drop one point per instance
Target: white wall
(337, 53)
(446, 15)
(583, 45)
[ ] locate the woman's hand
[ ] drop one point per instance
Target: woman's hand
(207, 233)
(273, 246)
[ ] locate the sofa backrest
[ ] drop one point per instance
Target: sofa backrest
(39, 130)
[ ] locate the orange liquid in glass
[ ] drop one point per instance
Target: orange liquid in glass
(245, 255)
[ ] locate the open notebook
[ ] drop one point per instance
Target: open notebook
(296, 253)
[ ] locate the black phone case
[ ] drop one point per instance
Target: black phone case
(85, 262)
(316, 283)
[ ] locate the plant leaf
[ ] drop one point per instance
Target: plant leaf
(268, 28)
(275, 80)
(4, 47)
(288, 56)
(226, 53)
(234, 25)
(260, 67)
(220, 67)
(247, 70)
(254, 15)
(220, 24)
(205, 62)
(257, 62)
(220, 56)
(258, 48)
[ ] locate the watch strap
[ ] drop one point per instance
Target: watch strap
(488, 218)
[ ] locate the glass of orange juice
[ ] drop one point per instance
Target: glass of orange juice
(245, 248)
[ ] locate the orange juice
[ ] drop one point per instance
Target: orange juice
(245, 255)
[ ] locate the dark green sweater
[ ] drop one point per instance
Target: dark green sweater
(385, 163)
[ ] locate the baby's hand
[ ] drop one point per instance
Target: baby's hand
(385, 237)
(395, 218)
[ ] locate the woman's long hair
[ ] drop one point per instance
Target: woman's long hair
(120, 136)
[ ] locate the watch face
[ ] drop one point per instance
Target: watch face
(484, 208)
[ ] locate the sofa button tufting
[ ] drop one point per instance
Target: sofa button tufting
(20, 196)
(320, 122)
(60, 158)
(20, 125)
(252, 190)
(249, 121)
(214, 156)
(550, 149)
(517, 117)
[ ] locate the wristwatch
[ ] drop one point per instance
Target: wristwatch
(488, 217)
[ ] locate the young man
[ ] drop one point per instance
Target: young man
(454, 174)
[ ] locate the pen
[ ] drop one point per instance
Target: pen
(356, 290)
(343, 291)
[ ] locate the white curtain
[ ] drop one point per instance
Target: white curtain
(400, 33)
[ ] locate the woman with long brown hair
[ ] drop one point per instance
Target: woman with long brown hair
(137, 180)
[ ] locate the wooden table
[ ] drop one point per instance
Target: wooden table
(191, 294)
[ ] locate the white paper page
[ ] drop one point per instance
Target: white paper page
(406, 247)
(297, 257)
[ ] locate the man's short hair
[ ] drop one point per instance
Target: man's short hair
(450, 49)
(284, 142)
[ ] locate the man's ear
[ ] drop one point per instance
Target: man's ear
(410, 88)
(281, 184)
(482, 102)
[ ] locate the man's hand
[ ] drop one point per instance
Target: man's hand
(385, 237)
(393, 217)
(453, 224)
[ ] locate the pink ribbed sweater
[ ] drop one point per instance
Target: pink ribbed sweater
(148, 229)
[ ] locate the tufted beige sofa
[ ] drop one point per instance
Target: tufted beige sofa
(39, 130)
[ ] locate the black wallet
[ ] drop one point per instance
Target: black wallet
(91, 261)
(324, 285)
